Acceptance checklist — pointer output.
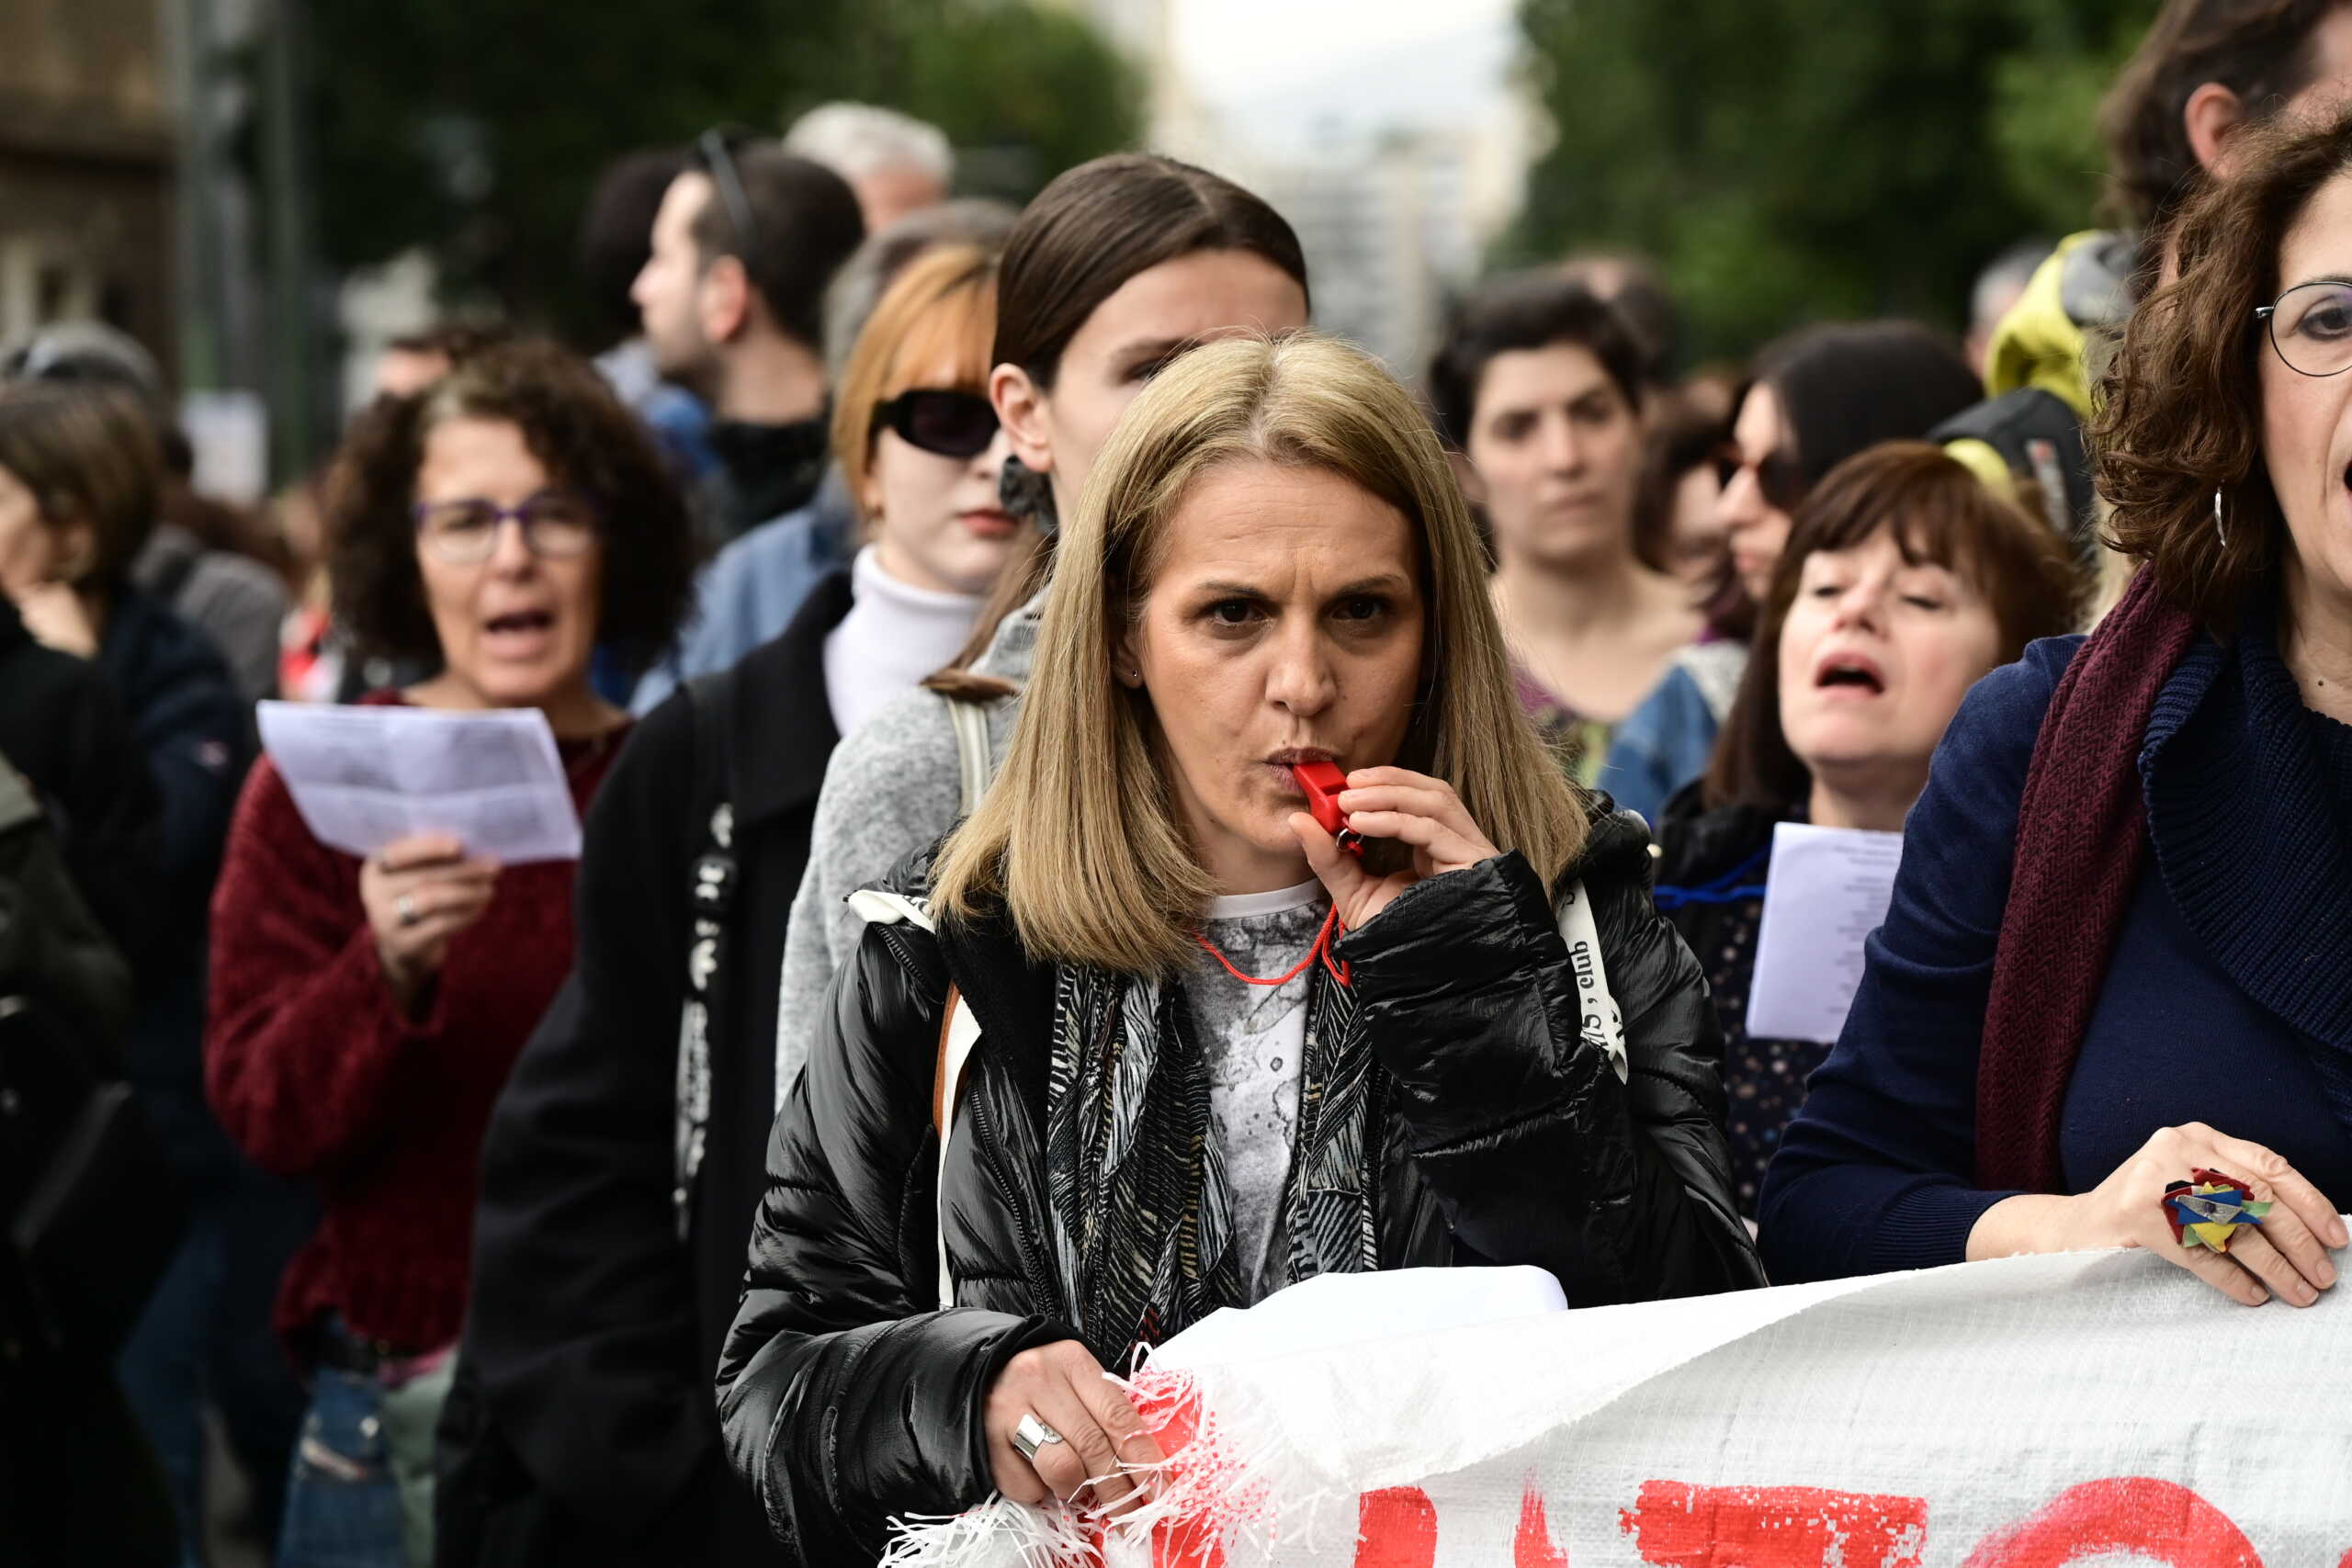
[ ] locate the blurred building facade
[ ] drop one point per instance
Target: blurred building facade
(1387, 232)
(1395, 188)
(88, 160)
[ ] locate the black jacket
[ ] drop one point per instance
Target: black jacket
(195, 728)
(1711, 852)
(78, 1481)
(847, 1396)
(592, 1329)
(63, 727)
(763, 472)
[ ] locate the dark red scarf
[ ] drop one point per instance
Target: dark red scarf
(2082, 840)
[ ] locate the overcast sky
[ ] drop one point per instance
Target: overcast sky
(1276, 68)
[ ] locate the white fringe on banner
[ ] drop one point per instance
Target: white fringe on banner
(1206, 1491)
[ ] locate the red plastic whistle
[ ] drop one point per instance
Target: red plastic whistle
(1323, 781)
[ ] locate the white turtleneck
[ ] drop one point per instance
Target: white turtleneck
(894, 634)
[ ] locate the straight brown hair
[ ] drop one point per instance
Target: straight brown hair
(1080, 838)
(1100, 224)
(1085, 235)
(87, 452)
(1939, 513)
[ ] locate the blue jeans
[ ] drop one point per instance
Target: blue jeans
(343, 1507)
(360, 1494)
(205, 1339)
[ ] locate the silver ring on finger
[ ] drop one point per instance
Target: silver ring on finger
(405, 907)
(1029, 1435)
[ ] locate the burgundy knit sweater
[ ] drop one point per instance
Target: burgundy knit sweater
(315, 1071)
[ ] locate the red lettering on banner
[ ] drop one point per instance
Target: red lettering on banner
(1395, 1529)
(2135, 1513)
(1532, 1547)
(1172, 1416)
(1677, 1524)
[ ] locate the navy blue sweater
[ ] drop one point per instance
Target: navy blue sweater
(2228, 999)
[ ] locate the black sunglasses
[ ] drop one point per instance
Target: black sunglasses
(954, 424)
(1776, 475)
(715, 150)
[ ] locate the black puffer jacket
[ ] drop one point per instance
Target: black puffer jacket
(847, 1397)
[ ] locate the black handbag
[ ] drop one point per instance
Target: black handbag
(100, 1211)
(93, 1211)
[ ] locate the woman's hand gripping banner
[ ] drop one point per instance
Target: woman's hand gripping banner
(2030, 1413)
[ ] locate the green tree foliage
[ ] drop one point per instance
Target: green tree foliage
(1794, 160)
(476, 128)
(1024, 91)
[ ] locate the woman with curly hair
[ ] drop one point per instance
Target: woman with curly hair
(2119, 960)
(628, 1149)
(497, 525)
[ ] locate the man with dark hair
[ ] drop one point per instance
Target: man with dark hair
(2206, 68)
(616, 237)
(615, 242)
(732, 299)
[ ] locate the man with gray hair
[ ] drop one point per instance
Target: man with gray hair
(894, 163)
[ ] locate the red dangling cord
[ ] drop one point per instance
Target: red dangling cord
(1322, 949)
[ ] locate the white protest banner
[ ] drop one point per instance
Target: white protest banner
(2100, 1410)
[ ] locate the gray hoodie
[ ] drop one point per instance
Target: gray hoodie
(892, 788)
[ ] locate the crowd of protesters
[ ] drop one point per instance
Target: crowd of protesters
(931, 604)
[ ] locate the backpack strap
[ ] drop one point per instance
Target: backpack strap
(975, 762)
(959, 1033)
(710, 900)
(1599, 1019)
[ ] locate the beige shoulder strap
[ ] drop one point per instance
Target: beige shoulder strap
(958, 1033)
(974, 766)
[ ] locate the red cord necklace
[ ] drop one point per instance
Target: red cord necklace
(1322, 949)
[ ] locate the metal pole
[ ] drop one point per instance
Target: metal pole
(292, 379)
(188, 29)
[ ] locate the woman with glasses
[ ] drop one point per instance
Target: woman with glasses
(639, 1116)
(498, 526)
(2112, 999)
(1538, 386)
(1816, 397)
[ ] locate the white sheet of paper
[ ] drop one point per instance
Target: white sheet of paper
(1828, 888)
(364, 777)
